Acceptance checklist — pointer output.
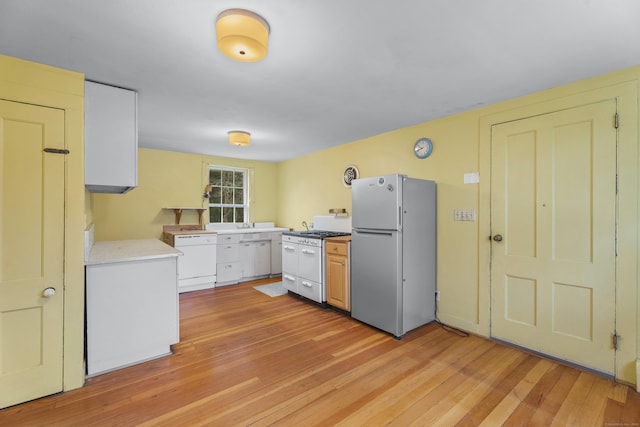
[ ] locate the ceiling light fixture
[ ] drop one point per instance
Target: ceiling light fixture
(242, 35)
(239, 138)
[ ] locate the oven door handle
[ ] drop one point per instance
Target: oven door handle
(308, 251)
(288, 248)
(306, 284)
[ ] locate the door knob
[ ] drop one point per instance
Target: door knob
(49, 292)
(497, 238)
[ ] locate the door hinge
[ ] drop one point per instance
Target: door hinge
(616, 121)
(615, 340)
(56, 150)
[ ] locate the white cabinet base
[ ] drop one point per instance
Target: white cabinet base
(132, 312)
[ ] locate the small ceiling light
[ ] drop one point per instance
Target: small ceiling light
(239, 138)
(242, 35)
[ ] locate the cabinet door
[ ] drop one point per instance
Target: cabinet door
(337, 281)
(262, 258)
(228, 252)
(111, 139)
(228, 273)
(247, 256)
(276, 254)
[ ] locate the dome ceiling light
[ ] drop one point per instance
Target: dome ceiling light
(242, 35)
(239, 138)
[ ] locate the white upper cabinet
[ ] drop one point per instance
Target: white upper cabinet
(111, 138)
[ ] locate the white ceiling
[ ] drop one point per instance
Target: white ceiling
(336, 71)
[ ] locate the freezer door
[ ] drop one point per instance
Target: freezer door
(376, 290)
(376, 202)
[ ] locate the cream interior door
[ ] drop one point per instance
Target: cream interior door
(553, 204)
(31, 252)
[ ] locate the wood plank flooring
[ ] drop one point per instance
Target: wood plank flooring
(246, 359)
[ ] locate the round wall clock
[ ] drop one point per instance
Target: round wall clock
(423, 148)
(350, 173)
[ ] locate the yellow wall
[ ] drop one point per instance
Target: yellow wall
(294, 191)
(42, 85)
(171, 179)
(310, 185)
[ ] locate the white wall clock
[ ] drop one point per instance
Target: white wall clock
(423, 148)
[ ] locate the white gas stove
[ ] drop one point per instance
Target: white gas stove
(303, 256)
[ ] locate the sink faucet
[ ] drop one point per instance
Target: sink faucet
(304, 224)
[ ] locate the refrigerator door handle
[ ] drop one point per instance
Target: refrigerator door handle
(400, 216)
(382, 233)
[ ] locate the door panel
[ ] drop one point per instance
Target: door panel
(31, 248)
(553, 200)
(375, 280)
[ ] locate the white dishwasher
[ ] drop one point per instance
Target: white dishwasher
(197, 267)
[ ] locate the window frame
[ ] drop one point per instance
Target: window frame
(245, 189)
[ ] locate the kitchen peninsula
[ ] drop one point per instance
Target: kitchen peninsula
(132, 303)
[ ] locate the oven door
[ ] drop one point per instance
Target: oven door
(310, 263)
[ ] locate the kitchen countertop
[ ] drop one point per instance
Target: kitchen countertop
(229, 231)
(251, 230)
(129, 250)
(189, 232)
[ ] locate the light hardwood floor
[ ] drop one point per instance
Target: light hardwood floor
(248, 359)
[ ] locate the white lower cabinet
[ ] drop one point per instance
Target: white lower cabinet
(276, 254)
(255, 259)
(262, 259)
(228, 268)
(132, 305)
(244, 256)
(246, 259)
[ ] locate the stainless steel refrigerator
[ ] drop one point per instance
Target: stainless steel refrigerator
(393, 252)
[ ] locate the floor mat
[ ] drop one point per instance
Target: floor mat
(272, 289)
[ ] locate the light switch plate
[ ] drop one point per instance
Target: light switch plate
(464, 215)
(472, 178)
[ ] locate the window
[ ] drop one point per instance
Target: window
(228, 195)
